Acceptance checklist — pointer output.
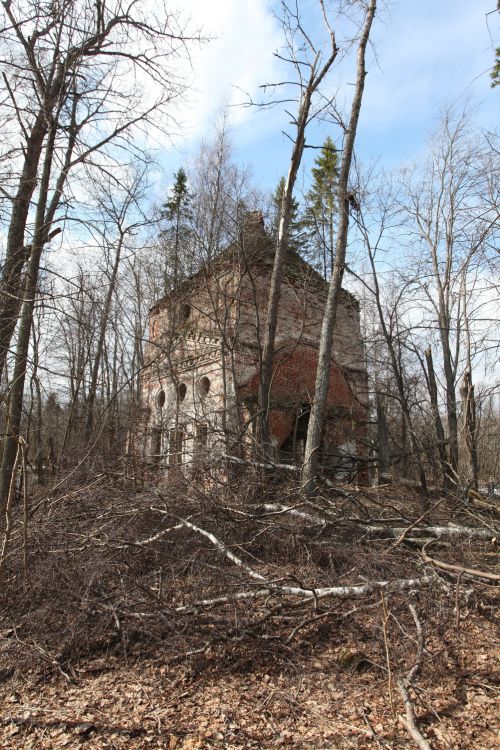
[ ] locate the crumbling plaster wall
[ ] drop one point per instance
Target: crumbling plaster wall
(189, 376)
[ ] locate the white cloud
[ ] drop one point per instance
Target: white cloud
(239, 56)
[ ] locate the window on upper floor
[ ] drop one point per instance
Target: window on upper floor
(203, 386)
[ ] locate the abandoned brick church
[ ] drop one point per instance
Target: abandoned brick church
(201, 378)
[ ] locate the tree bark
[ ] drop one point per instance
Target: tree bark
(315, 78)
(17, 389)
(469, 412)
(438, 425)
(451, 399)
(15, 251)
(318, 411)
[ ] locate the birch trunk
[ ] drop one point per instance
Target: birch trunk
(315, 78)
(317, 418)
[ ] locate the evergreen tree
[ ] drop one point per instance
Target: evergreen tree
(176, 232)
(321, 208)
(295, 234)
(495, 73)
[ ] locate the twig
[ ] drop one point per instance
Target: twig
(460, 569)
(403, 534)
(387, 656)
(404, 684)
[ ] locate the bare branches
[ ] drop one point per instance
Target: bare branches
(310, 82)
(405, 684)
(310, 594)
(316, 420)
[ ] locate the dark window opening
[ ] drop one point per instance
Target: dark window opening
(176, 440)
(156, 444)
(160, 399)
(203, 386)
(181, 391)
(185, 312)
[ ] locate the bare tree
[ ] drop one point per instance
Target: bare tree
(310, 66)
(66, 67)
(119, 219)
(452, 205)
(317, 417)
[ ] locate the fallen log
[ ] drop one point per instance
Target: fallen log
(469, 532)
(313, 594)
(392, 531)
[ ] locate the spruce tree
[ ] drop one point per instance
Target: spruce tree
(321, 209)
(176, 232)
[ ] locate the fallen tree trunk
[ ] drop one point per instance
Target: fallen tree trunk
(435, 531)
(392, 531)
(313, 594)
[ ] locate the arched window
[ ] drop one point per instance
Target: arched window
(203, 386)
(181, 391)
(160, 399)
(185, 312)
(154, 328)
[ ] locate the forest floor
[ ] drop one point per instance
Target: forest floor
(318, 701)
(333, 685)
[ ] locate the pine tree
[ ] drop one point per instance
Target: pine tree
(321, 208)
(176, 233)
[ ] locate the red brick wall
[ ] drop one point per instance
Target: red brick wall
(293, 384)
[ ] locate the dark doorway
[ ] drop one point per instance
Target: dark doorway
(292, 451)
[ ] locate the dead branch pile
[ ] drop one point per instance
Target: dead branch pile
(244, 573)
(102, 567)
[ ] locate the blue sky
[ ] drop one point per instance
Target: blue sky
(428, 54)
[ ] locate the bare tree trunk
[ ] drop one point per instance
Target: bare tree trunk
(15, 252)
(317, 417)
(383, 458)
(451, 399)
(469, 412)
(89, 422)
(438, 425)
(307, 91)
(17, 389)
